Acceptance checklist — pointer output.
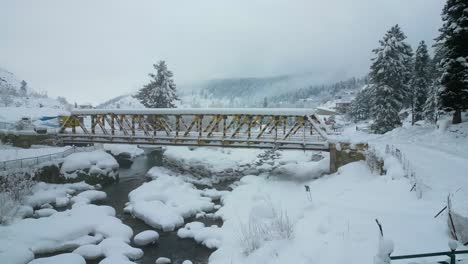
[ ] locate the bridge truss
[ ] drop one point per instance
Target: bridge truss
(248, 128)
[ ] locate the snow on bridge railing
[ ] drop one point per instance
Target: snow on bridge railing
(199, 111)
(34, 161)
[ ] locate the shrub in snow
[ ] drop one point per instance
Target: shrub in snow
(146, 237)
(8, 207)
(13, 190)
(163, 260)
(96, 167)
(384, 251)
(17, 184)
(277, 226)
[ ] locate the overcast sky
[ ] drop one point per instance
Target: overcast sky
(90, 50)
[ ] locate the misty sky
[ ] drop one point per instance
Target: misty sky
(90, 50)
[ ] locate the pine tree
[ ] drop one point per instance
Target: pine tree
(453, 95)
(23, 89)
(432, 105)
(161, 91)
(421, 81)
(389, 79)
(360, 106)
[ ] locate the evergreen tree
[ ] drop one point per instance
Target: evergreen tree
(23, 90)
(431, 106)
(389, 79)
(453, 95)
(360, 106)
(421, 81)
(161, 91)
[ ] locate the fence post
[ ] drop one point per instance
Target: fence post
(452, 257)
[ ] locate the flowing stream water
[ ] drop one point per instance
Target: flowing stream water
(168, 245)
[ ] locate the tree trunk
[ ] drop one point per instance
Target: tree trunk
(457, 118)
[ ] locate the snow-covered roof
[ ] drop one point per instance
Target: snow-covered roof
(199, 111)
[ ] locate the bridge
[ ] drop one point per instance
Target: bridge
(227, 127)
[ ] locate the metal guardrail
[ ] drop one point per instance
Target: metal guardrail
(7, 125)
(451, 254)
(34, 161)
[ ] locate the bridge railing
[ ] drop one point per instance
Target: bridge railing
(451, 254)
(34, 161)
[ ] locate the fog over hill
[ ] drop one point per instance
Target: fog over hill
(306, 90)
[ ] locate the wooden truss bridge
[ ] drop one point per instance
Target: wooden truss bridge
(246, 128)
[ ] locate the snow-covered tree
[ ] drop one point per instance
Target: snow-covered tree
(453, 95)
(421, 81)
(161, 91)
(390, 74)
(23, 89)
(432, 105)
(6, 99)
(360, 106)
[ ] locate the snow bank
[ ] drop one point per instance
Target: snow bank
(61, 231)
(303, 170)
(164, 202)
(207, 236)
(117, 149)
(215, 160)
(337, 216)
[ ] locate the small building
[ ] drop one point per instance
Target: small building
(85, 106)
(342, 106)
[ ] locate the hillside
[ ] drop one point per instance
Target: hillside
(18, 99)
(302, 91)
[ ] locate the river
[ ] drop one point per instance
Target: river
(168, 245)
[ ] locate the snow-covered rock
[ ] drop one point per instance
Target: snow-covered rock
(92, 167)
(123, 153)
(89, 196)
(164, 202)
(208, 236)
(62, 201)
(44, 212)
(90, 251)
(69, 258)
(45, 193)
(163, 260)
(63, 231)
(146, 237)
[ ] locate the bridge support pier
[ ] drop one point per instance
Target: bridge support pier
(344, 153)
